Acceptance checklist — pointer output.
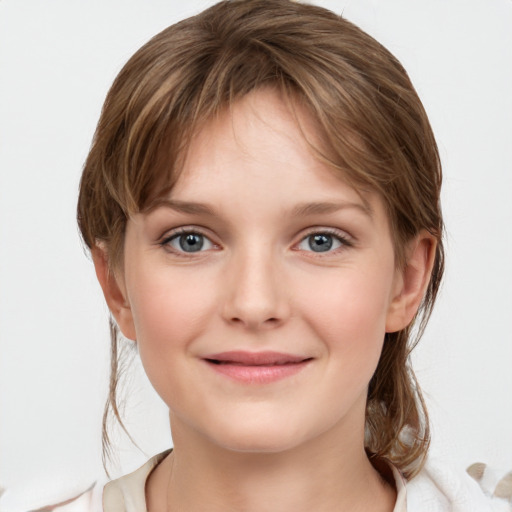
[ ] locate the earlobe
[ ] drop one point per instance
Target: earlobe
(114, 292)
(411, 282)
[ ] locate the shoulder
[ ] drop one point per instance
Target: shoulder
(127, 494)
(52, 496)
(439, 488)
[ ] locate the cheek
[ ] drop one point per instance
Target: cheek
(170, 310)
(349, 313)
(167, 301)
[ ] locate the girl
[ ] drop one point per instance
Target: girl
(261, 202)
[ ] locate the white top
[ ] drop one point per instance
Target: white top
(435, 489)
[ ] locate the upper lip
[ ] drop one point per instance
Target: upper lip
(246, 358)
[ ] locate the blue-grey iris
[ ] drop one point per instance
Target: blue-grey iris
(191, 242)
(320, 242)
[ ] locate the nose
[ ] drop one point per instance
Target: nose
(256, 296)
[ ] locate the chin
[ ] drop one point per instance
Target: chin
(260, 439)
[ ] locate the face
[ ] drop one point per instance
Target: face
(260, 290)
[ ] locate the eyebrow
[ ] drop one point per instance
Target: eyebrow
(182, 206)
(300, 210)
(316, 208)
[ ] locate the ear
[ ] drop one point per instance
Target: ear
(411, 282)
(114, 290)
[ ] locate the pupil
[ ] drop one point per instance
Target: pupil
(320, 243)
(191, 242)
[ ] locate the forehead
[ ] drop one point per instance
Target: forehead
(269, 142)
(254, 166)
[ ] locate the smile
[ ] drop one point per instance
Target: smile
(256, 367)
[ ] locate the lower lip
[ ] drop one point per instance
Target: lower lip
(258, 374)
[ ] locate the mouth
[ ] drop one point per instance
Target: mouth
(256, 367)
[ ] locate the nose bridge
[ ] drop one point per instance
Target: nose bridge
(256, 296)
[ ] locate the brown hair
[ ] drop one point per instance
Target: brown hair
(374, 130)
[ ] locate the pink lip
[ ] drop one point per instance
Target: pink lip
(256, 367)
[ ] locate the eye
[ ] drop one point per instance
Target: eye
(188, 241)
(322, 242)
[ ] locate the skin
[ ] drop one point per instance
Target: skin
(258, 284)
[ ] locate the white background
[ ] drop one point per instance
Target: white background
(57, 60)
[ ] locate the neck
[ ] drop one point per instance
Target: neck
(321, 475)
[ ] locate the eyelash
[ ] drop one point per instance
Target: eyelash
(341, 237)
(175, 235)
